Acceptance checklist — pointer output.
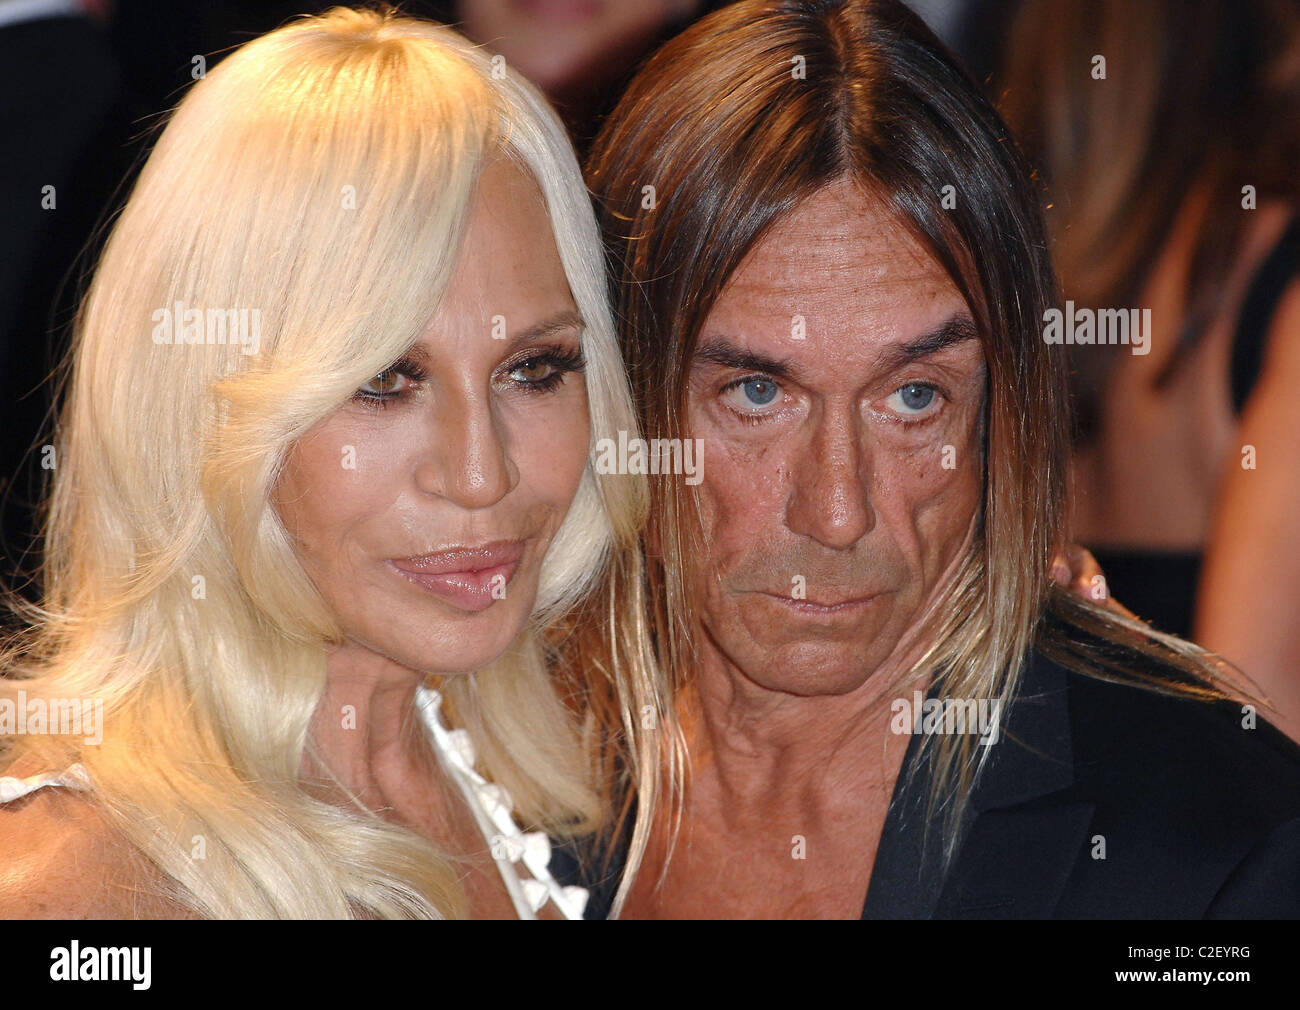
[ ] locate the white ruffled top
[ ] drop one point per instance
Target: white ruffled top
(491, 805)
(494, 810)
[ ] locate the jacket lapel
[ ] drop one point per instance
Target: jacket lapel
(1024, 831)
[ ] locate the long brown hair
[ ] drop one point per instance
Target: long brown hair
(1197, 94)
(731, 126)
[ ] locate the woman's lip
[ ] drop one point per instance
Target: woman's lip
(472, 591)
(469, 578)
(462, 560)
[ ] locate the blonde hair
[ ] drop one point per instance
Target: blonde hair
(321, 174)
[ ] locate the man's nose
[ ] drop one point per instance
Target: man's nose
(466, 458)
(830, 501)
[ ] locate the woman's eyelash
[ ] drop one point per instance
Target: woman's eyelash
(561, 360)
(404, 367)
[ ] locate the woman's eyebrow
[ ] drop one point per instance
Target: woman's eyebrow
(558, 323)
(418, 354)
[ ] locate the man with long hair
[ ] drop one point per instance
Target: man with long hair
(833, 274)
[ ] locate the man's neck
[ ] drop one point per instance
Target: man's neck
(785, 805)
(769, 745)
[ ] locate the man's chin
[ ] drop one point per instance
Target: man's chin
(810, 669)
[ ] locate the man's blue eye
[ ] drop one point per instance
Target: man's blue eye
(759, 392)
(916, 397)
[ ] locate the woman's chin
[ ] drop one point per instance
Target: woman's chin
(435, 636)
(457, 646)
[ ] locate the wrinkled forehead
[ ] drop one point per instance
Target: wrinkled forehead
(840, 278)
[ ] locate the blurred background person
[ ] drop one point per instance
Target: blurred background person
(581, 53)
(1173, 185)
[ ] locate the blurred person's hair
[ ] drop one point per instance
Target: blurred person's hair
(732, 142)
(1197, 93)
(167, 459)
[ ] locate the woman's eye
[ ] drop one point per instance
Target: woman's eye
(913, 399)
(545, 371)
(751, 395)
(533, 371)
(388, 383)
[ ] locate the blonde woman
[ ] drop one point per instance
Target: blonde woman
(322, 485)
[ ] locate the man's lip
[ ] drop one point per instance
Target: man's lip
(467, 560)
(818, 606)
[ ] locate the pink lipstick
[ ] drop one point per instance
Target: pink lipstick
(469, 578)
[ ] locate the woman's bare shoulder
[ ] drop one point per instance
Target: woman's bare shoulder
(60, 859)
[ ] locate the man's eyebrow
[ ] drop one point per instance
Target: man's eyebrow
(719, 350)
(954, 330)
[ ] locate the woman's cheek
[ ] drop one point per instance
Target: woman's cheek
(336, 476)
(551, 449)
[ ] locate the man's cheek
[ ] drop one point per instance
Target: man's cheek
(740, 494)
(941, 520)
(917, 496)
(948, 464)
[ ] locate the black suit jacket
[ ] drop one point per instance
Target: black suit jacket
(1100, 800)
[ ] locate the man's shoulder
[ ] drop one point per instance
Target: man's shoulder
(1140, 739)
(1109, 799)
(1195, 804)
